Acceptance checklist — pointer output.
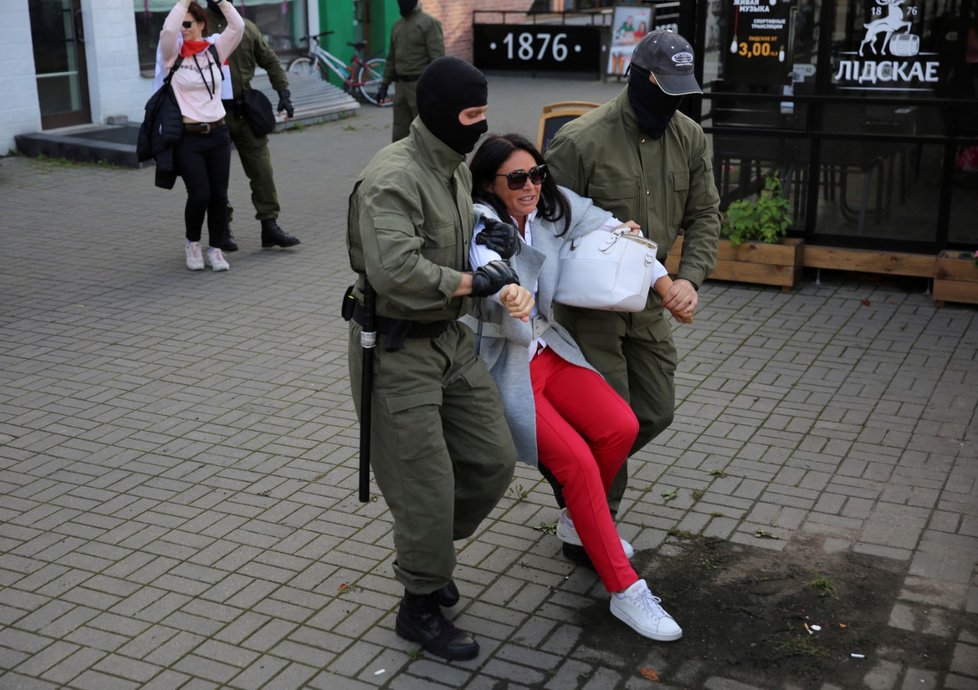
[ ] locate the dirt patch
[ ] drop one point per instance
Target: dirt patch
(744, 612)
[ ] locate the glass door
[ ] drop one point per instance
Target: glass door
(59, 60)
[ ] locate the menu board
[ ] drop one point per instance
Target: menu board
(758, 42)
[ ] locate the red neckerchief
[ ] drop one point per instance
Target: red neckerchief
(192, 48)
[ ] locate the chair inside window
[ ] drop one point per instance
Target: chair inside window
(556, 115)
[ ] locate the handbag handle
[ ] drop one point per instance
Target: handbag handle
(622, 233)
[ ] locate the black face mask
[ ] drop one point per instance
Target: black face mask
(448, 86)
(407, 6)
(653, 107)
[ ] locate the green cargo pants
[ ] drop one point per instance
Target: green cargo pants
(405, 108)
(440, 449)
(636, 355)
(257, 163)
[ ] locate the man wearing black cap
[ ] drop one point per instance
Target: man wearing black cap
(441, 452)
(639, 158)
(416, 41)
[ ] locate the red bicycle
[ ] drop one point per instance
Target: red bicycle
(361, 77)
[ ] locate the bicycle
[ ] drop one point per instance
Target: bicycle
(360, 77)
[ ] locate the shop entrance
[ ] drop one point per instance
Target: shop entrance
(58, 36)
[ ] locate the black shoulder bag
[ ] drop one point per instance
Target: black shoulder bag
(257, 112)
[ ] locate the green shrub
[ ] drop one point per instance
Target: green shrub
(765, 219)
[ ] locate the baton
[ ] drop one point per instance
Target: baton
(368, 341)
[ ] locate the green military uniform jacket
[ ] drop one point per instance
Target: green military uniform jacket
(416, 40)
(409, 226)
(665, 184)
(251, 52)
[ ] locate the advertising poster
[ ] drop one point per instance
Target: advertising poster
(628, 25)
(758, 44)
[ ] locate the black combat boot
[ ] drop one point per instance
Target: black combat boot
(577, 554)
(229, 244)
(274, 236)
(448, 595)
(420, 620)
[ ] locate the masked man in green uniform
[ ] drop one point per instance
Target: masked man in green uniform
(256, 160)
(639, 158)
(441, 452)
(416, 40)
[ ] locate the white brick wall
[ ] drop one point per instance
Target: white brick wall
(114, 84)
(18, 106)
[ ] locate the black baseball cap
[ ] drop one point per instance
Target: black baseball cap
(669, 57)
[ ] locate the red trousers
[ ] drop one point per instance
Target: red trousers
(584, 433)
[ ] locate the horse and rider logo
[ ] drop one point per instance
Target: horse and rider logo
(895, 30)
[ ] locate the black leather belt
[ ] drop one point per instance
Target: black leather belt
(406, 77)
(410, 329)
(202, 127)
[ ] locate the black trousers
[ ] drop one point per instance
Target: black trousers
(204, 162)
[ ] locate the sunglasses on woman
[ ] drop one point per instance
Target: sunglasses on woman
(187, 25)
(516, 179)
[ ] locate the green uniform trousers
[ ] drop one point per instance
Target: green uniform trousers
(257, 163)
(405, 108)
(440, 449)
(636, 355)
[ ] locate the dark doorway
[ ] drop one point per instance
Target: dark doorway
(59, 58)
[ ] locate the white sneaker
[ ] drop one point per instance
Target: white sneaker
(567, 533)
(640, 609)
(215, 257)
(195, 261)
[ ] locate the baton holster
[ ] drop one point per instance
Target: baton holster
(349, 304)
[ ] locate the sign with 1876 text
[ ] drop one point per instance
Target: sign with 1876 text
(537, 47)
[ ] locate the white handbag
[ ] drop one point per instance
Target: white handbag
(606, 270)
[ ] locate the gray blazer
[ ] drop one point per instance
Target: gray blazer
(504, 341)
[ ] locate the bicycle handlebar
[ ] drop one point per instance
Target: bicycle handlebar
(314, 37)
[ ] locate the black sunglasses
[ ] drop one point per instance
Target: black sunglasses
(516, 179)
(187, 25)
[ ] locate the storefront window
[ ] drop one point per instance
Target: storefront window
(282, 22)
(866, 143)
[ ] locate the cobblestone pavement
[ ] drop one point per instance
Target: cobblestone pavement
(178, 451)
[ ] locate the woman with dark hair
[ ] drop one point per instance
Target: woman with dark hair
(563, 415)
(203, 155)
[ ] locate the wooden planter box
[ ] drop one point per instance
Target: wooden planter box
(752, 262)
(955, 278)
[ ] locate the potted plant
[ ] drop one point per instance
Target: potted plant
(765, 219)
(753, 247)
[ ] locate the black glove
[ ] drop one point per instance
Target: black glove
(285, 102)
(502, 238)
(213, 5)
(489, 279)
(382, 91)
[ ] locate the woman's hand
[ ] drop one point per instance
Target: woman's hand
(632, 227)
(517, 300)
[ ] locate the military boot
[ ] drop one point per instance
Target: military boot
(274, 236)
(420, 620)
(448, 595)
(229, 244)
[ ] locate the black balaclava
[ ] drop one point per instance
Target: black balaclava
(653, 107)
(448, 86)
(407, 6)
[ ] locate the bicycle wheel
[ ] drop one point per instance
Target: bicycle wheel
(303, 66)
(369, 79)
